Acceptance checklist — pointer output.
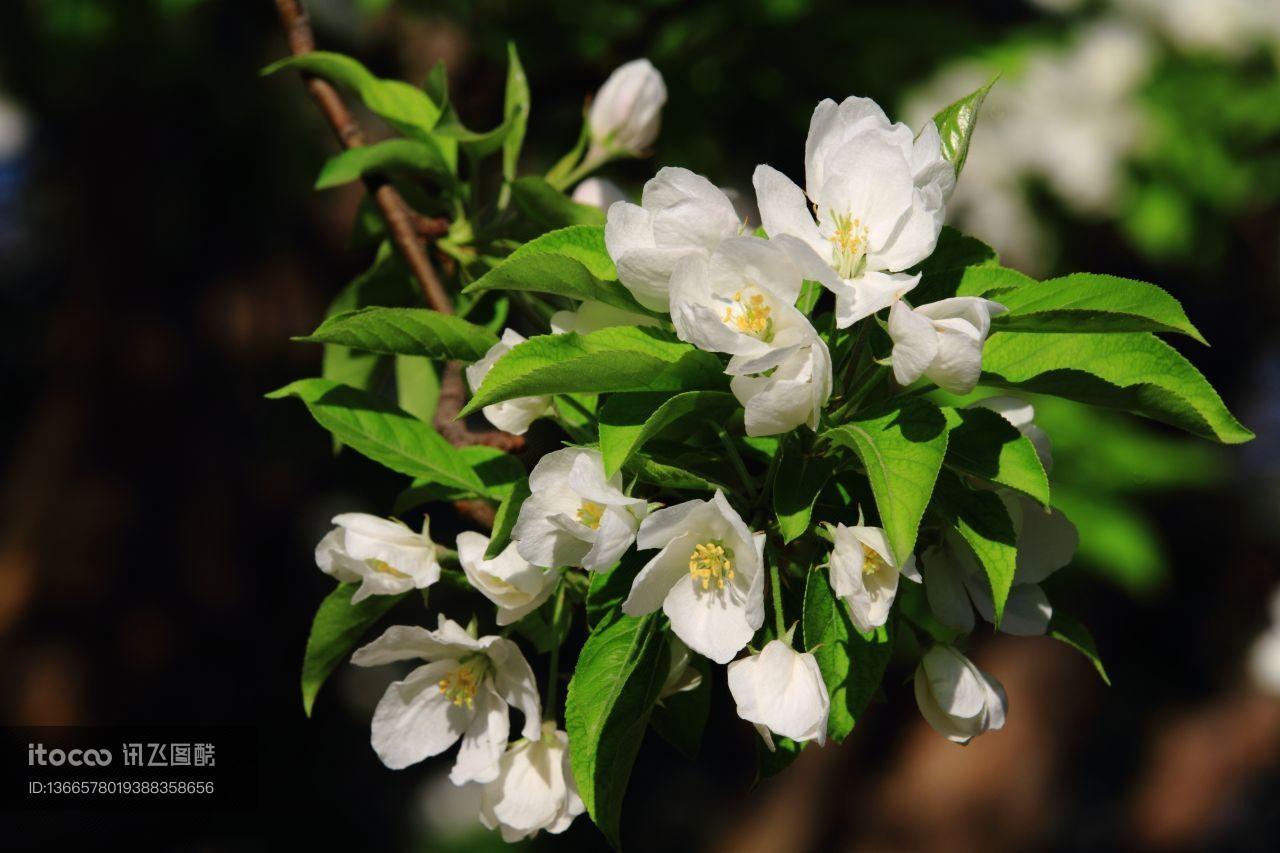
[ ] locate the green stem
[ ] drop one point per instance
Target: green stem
(553, 676)
(776, 582)
(736, 460)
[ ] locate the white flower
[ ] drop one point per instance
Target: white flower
(959, 700)
(384, 555)
(865, 574)
(941, 341)
(1264, 653)
(1021, 414)
(575, 516)
(510, 581)
(1046, 542)
(680, 214)
(708, 578)
(594, 316)
(626, 114)
(878, 192)
(598, 192)
(534, 788)
(463, 691)
(681, 677)
(790, 395)
(780, 690)
(741, 302)
(514, 416)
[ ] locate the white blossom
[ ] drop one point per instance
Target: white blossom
(462, 692)
(1264, 653)
(534, 788)
(789, 395)
(708, 578)
(680, 214)
(781, 691)
(385, 556)
(864, 573)
(626, 114)
(598, 192)
(942, 341)
(959, 700)
(594, 316)
(576, 516)
(510, 581)
(516, 415)
(878, 191)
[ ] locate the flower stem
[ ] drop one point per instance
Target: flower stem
(776, 582)
(735, 459)
(553, 675)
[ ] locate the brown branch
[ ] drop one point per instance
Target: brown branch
(407, 227)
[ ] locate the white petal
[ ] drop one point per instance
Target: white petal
(406, 642)
(514, 682)
(1046, 543)
(783, 690)
(711, 622)
(663, 525)
(784, 211)
(915, 343)
(958, 364)
(945, 590)
(415, 720)
(614, 536)
(653, 582)
(484, 740)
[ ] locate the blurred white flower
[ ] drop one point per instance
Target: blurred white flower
(626, 114)
(680, 214)
(594, 316)
(598, 192)
(708, 578)
(448, 811)
(781, 691)
(942, 341)
(878, 192)
(1229, 28)
(462, 692)
(789, 395)
(514, 416)
(959, 700)
(864, 573)
(576, 516)
(510, 581)
(1264, 654)
(384, 555)
(534, 789)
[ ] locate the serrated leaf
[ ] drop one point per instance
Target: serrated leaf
(337, 626)
(902, 447)
(615, 359)
(987, 279)
(500, 473)
(1071, 631)
(406, 331)
(619, 673)
(516, 111)
(417, 386)
(1084, 302)
(800, 478)
(956, 124)
(983, 444)
(504, 520)
(956, 251)
(680, 718)
(1134, 372)
(983, 523)
(627, 421)
(661, 474)
(392, 155)
(852, 663)
(550, 208)
(386, 282)
(385, 433)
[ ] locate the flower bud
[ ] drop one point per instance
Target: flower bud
(627, 111)
(959, 700)
(781, 690)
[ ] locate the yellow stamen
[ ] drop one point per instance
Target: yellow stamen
(750, 316)
(848, 245)
(385, 568)
(711, 561)
(460, 685)
(590, 514)
(871, 561)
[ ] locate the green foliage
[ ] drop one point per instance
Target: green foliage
(406, 331)
(338, 625)
(627, 421)
(680, 718)
(794, 494)
(983, 444)
(956, 124)
(381, 158)
(983, 523)
(547, 207)
(1084, 302)
(1069, 630)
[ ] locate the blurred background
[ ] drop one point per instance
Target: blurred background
(159, 244)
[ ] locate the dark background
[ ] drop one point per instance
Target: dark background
(159, 244)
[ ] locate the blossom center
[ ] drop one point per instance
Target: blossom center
(848, 245)
(711, 562)
(872, 562)
(382, 567)
(750, 315)
(460, 685)
(590, 514)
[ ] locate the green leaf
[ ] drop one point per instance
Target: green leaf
(1084, 302)
(680, 718)
(1134, 372)
(570, 262)
(983, 444)
(550, 208)
(616, 359)
(800, 478)
(810, 293)
(956, 251)
(619, 674)
(406, 331)
(417, 387)
(392, 155)
(771, 763)
(337, 627)
(987, 279)
(902, 447)
(404, 106)
(956, 124)
(666, 476)
(983, 523)
(627, 421)
(504, 520)
(500, 473)
(386, 282)
(1069, 630)
(852, 663)
(541, 629)
(607, 590)
(385, 433)
(515, 111)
